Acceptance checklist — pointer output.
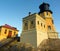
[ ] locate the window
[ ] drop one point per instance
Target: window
(25, 24)
(38, 22)
(5, 31)
(0, 30)
(49, 27)
(47, 13)
(52, 21)
(44, 26)
(41, 24)
(31, 22)
(14, 33)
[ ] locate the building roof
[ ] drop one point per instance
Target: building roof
(9, 27)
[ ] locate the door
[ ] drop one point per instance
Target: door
(9, 34)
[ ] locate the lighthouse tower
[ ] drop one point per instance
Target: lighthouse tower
(38, 26)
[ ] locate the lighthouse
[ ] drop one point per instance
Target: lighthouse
(39, 26)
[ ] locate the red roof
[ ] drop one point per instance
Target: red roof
(9, 27)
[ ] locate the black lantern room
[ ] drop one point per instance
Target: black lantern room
(44, 7)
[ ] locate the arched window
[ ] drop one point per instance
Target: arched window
(49, 27)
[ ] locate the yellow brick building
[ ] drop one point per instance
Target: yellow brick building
(39, 26)
(7, 31)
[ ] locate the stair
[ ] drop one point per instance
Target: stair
(6, 41)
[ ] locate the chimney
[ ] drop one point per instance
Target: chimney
(29, 13)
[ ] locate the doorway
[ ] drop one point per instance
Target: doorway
(9, 34)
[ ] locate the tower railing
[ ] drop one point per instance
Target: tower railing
(53, 34)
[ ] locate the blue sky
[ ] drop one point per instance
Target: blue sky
(12, 11)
